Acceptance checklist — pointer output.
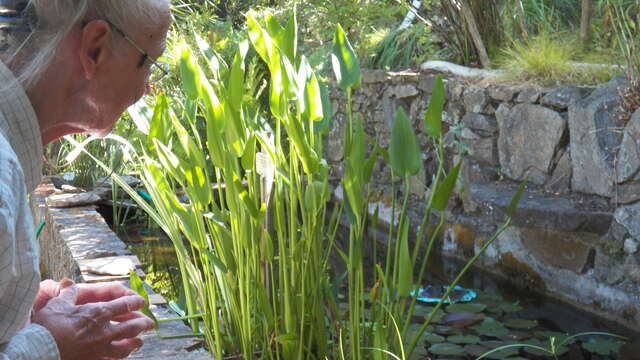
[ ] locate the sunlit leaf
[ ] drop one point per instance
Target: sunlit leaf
(433, 116)
(444, 191)
(138, 286)
(403, 148)
(345, 63)
(189, 73)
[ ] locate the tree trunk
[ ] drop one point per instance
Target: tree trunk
(469, 19)
(585, 21)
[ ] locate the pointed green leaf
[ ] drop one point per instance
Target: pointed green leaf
(190, 73)
(345, 62)
(433, 116)
(443, 192)
(405, 277)
(516, 199)
(324, 126)
(403, 149)
(236, 82)
(138, 287)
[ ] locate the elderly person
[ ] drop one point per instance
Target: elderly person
(68, 66)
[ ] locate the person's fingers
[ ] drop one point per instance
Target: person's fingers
(90, 293)
(122, 348)
(131, 328)
(106, 311)
(68, 291)
(48, 289)
(128, 316)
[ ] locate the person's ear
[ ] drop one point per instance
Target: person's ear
(95, 46)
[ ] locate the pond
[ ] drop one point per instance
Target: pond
(500, 315)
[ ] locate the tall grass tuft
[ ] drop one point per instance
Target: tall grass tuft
(549, 61)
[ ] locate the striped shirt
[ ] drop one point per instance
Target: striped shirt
(20, 172)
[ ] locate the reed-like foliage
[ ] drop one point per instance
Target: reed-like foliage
(254, 235)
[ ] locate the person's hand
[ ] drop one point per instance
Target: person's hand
(95, 330)
(87, 293)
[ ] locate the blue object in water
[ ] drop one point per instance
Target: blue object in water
(433, 294)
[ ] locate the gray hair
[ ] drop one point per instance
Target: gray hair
(29, 53)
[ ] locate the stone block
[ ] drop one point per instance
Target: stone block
(426, 84)
(629, 217)
(484, 150)
(573, 251)
(113, 265)
(529, 137)
(72, 200)
(375, 76)
(541, 211)
(529, 96)
(502, 93)
(593, 124)
(627, 164)
(627, 193)
(560, 181)
(475, 99)
(403, 91)
(334, 150)
(561, 98)
(482, 124)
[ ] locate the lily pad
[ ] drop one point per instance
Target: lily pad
(491, 328)
(462, 319)
(446, 349)
(472, 308)
(517, 335)
(446, 330)
(464, 339)
(506, 307)
(603, 347)
(520, 324)
(434, 338)
(475, 350)
(559, 337)
(502, 354)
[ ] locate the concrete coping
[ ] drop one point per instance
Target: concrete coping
(76, 243)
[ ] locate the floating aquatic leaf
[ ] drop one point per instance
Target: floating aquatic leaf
(473, 308)
(506, 307)
(491, 328)
(446, 330)
(517, 335)
(520, 323)
(475, 350)
(603, 347)
(504, 353)
(434, 338)
(446, 349)
(558, 336)
(462, 319)
(464, 339)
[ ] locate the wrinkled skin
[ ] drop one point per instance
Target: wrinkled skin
(91, 321)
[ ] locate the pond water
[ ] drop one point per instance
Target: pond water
(501, 314)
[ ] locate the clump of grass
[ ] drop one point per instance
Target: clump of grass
(549, 61)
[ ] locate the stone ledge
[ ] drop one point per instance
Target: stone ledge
(539, 211)
(77, 239)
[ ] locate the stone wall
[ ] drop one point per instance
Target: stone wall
(577, 230)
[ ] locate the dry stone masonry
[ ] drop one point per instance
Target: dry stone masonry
(576, 234)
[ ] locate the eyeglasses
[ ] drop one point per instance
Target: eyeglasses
(158, 70)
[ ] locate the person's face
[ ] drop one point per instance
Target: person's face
(126, 79)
